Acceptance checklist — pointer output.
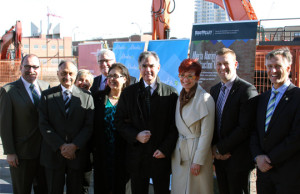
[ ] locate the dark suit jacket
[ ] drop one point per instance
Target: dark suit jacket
(97, 80)
(235, 125)
(57, 128)
(19, 121)
(281, 142)
(131, 118)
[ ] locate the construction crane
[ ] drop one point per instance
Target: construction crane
(13, 35)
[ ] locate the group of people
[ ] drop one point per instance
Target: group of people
(136, 130)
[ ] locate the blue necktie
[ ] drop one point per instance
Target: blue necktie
(270, 109)
(219, 106)
(35, 95)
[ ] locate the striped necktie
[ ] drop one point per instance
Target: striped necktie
(270, 109)
(219, 106)
(67, 100)
(35, 95)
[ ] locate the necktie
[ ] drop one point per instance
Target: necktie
(147, 98)
(67, 100)
(35, 95)
(219, 106)
(105, 82)
(270, 108)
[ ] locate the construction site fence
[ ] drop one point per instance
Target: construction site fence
(10, 69)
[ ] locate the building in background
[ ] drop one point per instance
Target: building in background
(207, 12)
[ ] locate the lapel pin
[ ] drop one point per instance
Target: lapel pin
(286, 98)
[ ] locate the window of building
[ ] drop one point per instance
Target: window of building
(26, 46)
(216, 6)
(53, 47)
(44, 46)
(36, 46)
(54, 61)
(44, 61)
(61, 47)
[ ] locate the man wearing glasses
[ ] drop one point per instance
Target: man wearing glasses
(105, 59)
(20, 135)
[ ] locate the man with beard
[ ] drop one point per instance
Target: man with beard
(66, 124)
(275, 143)
(20, 135)
(145, 118)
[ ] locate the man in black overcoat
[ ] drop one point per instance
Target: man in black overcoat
(145, 118)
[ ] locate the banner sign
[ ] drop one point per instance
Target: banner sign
(128, 53)
(171, 53)
(87, 57)
(209, 38)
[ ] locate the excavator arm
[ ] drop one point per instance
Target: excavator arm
(237, 9)
(10, 37)
(161, 19)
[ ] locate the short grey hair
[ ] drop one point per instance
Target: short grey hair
(284, 52)
(86, 72)
(108, 52)
(144, 55)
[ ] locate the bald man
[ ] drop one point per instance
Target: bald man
(66, 124)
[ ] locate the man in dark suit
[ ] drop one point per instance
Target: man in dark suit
(66, 124)
(105, 59)
(232, 126)
(275, 143)
(20, 135)
(145, 119)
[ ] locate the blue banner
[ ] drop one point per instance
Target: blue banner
(171, 53)
(128, 53)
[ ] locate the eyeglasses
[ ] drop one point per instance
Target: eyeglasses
(104, 60)
(115, 76)
(28, 67)
(181, 76)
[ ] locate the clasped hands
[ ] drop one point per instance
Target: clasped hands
(263, 163)
(219, 156)
(68, 151)
(143, 137)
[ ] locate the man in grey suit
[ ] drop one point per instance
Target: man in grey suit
(20, 135)
(66, 124)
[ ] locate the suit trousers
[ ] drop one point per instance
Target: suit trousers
(28, 174)
(56, 179)
(140, 184)
(269, 183)
(232, 182)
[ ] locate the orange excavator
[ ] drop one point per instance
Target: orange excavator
(161, 10)
(13, 35)
(237, 9)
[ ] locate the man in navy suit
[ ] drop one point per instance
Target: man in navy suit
(231, 151)
(105, 59)
(275, 143)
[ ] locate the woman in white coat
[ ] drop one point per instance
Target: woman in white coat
(192, 162)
